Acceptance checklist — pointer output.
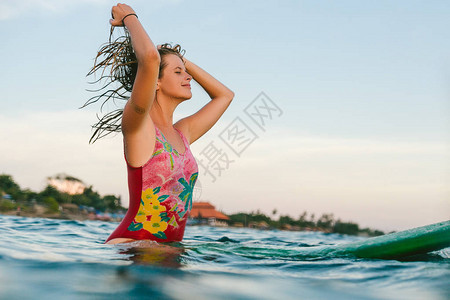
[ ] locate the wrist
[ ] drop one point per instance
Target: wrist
(128, 17)
(187, 63)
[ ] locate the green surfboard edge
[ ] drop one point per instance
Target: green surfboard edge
(396, 245)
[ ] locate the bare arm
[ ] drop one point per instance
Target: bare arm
(144, 88)
(137, 127)
(199, 123)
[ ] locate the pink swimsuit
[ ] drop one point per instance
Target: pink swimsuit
(160, 194)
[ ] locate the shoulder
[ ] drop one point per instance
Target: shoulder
(183, 126)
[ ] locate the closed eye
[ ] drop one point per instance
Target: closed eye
(179, 69)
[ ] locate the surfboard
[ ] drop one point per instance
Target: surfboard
(396, 245)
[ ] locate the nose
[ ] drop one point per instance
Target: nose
(189, 77)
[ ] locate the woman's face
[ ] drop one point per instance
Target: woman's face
(175, 81)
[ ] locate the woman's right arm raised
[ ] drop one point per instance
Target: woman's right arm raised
(137, 127)
(142, 96)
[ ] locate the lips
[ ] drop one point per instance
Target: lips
(187, 85)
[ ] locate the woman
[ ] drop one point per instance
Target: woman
(161, 168)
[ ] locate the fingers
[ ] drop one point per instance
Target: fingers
(118, 12)
(115, 16)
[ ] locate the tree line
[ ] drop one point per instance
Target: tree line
(12, 197)
(305, 221)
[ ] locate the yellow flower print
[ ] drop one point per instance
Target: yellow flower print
(150, 204)
(140, 217)
(153, 208)
(149, 195)
(148, 216)
(155, 225)
(152, 216)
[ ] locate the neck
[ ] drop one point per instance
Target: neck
(162, 111)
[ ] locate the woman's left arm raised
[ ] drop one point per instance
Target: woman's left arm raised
(199, 123)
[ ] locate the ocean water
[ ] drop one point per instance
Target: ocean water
(61, 259)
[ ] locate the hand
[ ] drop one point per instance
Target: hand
(186, 63)
(118, 12)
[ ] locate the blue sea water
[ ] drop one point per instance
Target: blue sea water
(61, 259)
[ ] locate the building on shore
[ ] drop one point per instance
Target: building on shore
(203, 213)
(67, 184)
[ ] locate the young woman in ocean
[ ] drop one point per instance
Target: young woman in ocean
(161, 168)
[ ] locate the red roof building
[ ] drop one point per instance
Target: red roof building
(205, 210)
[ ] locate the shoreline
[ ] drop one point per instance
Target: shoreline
(61, 216)
(81, 216)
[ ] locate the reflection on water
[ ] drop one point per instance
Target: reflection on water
(151, 253)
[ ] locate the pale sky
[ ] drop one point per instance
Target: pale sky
(363, 89)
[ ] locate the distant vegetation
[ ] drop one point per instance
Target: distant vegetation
(325, 223)
(13, 197)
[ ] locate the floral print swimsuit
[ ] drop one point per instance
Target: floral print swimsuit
(160, 194)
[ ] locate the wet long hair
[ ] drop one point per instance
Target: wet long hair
(117, 65)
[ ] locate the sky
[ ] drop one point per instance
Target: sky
(354, 96)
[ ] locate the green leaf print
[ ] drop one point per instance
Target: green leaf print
(135, 226)
(187, 189)
(193, 179)
(186, 194)
(156, 190)
(163, 216)
(162, 198)
(160, 235)
(157, 152)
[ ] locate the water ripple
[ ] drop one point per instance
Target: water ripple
(211, 263)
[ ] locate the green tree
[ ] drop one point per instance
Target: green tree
(239, 218)
(7, 205)
(303, 220)
(81, 199)
(112, 202)
(95, 199)
(51, 204)
(325, 221)
(286, 220)
(8, 186)
(346, 228)
(52, 192)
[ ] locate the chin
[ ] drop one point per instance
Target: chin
(184, 98)
(187, 97)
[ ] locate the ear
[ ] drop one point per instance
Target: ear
(157, 85)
